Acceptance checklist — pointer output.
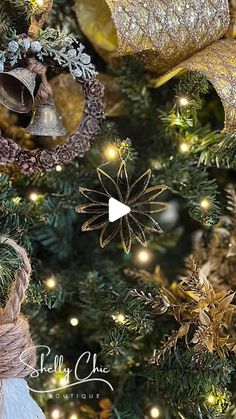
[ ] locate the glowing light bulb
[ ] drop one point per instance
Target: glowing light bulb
(56, 414)
(154, 412)
(73, 416)
(183, 101)
(74, 321)
(119, 318)
(111, 152)
(58, 168)
(184, 147)
(40, 3)
(143, 256)
(50, 282)
(16, 200)
(34, 196)
(211, 399)
(205, 204)
(63, 381)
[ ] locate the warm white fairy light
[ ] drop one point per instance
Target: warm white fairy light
(40, 3)
(34, 196)
(119, 318)
(51, 282)
(205, 204)
(111, 152)
(183, 101)
(154, 412)
(16, 200)
(74, 416)
(143, 256)
(55, 414)
(211, 399)
(63, 381)
(58, 168)
(184, 147)
(74, 321)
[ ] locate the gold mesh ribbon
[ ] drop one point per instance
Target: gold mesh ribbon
(168, 36)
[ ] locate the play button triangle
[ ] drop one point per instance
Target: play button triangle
(117, 210)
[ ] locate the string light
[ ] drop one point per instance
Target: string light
(205, 204)
(55, 414)
(34, 196)
(183, 101)
(184, 147)
(63, 381)
(119, 318)
(74, 321)
(111, 152)
(154, 412)
(16, 200)
(211, 399)
(40, 3)
(58, 168)
(51, 282)
(73, 416)
(143, 256)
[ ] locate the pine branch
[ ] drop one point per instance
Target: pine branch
(184, 177)
(215, 149)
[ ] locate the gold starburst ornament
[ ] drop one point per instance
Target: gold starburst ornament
(136, 195)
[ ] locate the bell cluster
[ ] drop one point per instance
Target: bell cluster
(17, 89)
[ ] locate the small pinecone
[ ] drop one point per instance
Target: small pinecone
(47, 159)
(94, 89)
(64, 153)
(26, 162)
(8, 151)
(95, 107)
(81, 144)
(89, 126)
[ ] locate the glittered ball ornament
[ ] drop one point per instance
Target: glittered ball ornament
(13, 46)
(35, 46)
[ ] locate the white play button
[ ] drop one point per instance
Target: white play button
(117, 210)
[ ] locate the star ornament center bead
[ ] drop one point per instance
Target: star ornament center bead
(122, 208)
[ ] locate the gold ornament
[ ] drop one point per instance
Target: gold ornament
(9, 125)
(64, 87)
(71, 111)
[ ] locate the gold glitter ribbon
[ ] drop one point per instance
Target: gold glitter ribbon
(231, 32)
(164, 33)
(217, 62)
(168, 37)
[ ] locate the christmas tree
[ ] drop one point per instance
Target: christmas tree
(117, 181)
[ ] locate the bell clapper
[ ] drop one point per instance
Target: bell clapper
(22, 95)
